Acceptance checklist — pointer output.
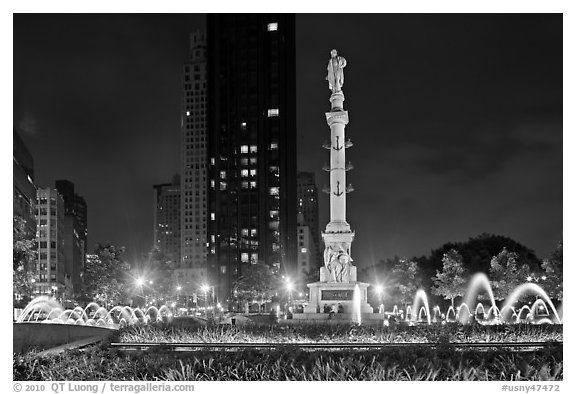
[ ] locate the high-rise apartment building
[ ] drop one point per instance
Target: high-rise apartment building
(51, 267)
(251, 145)
(24, 190)
(75, 232)
(191, 273)
(307, 252)
(167, 218)
(307, 195)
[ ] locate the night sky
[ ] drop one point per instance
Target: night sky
(456, 121)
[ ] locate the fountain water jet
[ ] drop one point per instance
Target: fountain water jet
(529, 288)
(356, 312)
(478, 282)
(421, 298)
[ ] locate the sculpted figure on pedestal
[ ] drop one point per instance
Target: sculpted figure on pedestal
(338, 262)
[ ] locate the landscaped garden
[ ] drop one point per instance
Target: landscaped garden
(289, 362)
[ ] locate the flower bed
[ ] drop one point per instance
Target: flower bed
(342, 334)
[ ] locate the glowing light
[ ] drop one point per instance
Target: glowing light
(139, 281)
(179, 288)
(205, 288)
(379, 289)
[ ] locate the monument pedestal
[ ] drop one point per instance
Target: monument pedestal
(335, 293)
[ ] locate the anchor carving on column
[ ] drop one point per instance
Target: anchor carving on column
(338, 146)
(338, 193)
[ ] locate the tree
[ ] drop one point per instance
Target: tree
(24, 261)
(477, 253)
(256, 283)
(105, 276)
(552, 280)
(452, 281)
(505, 275)
(160, 269)
(405, 280)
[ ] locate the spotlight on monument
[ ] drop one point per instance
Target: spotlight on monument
(205, 288)
(379, 289)
(289, 286)
(140, 282)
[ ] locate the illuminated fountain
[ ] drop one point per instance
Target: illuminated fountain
(420, 301)
(47, 310)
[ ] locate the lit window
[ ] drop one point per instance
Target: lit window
(244, 149)
(243, 125)
(253, 149)
(212, 161)
(187, 113)
(273, 214)
(272, 26)
(244, 185)
(212, 182)
(252, 172)
(253, 232)
(273, 112)
(254, 258)
(273, 145)
(244, 257)
(274, 191)
(244, 173)
(222, 186)
(252, 184)
(212, 216)
(244, 232)
(303, 250)
(252, 160)
(244, 161)
(223, 174)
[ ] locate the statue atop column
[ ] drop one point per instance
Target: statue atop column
(335, 75)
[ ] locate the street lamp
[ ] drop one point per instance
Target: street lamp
(205, 288)
(380, 291)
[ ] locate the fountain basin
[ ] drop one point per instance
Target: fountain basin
(48, 335)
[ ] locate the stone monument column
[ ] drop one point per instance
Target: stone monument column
(338, 282)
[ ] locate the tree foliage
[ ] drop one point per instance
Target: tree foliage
(452, 281)
(505, 275)
(105, 276)
(160, 269)
(478, 251)
(256, 283)
(552, 280)
(405, 281)
(24, 260)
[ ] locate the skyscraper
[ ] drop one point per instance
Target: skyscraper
(167, 218)
(307, 195)
(191, 272)
(24, 190)
(251, 145)
(51, 261)
(75, 232)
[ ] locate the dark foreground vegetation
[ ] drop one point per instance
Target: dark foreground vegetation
(99, 363)
(289, 362)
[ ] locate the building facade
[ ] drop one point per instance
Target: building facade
(191, 272)
(24, 189)
(75, 232)
(307, 252)
(51, 268)
(251, 146)
(167, 218)
(308, 207)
